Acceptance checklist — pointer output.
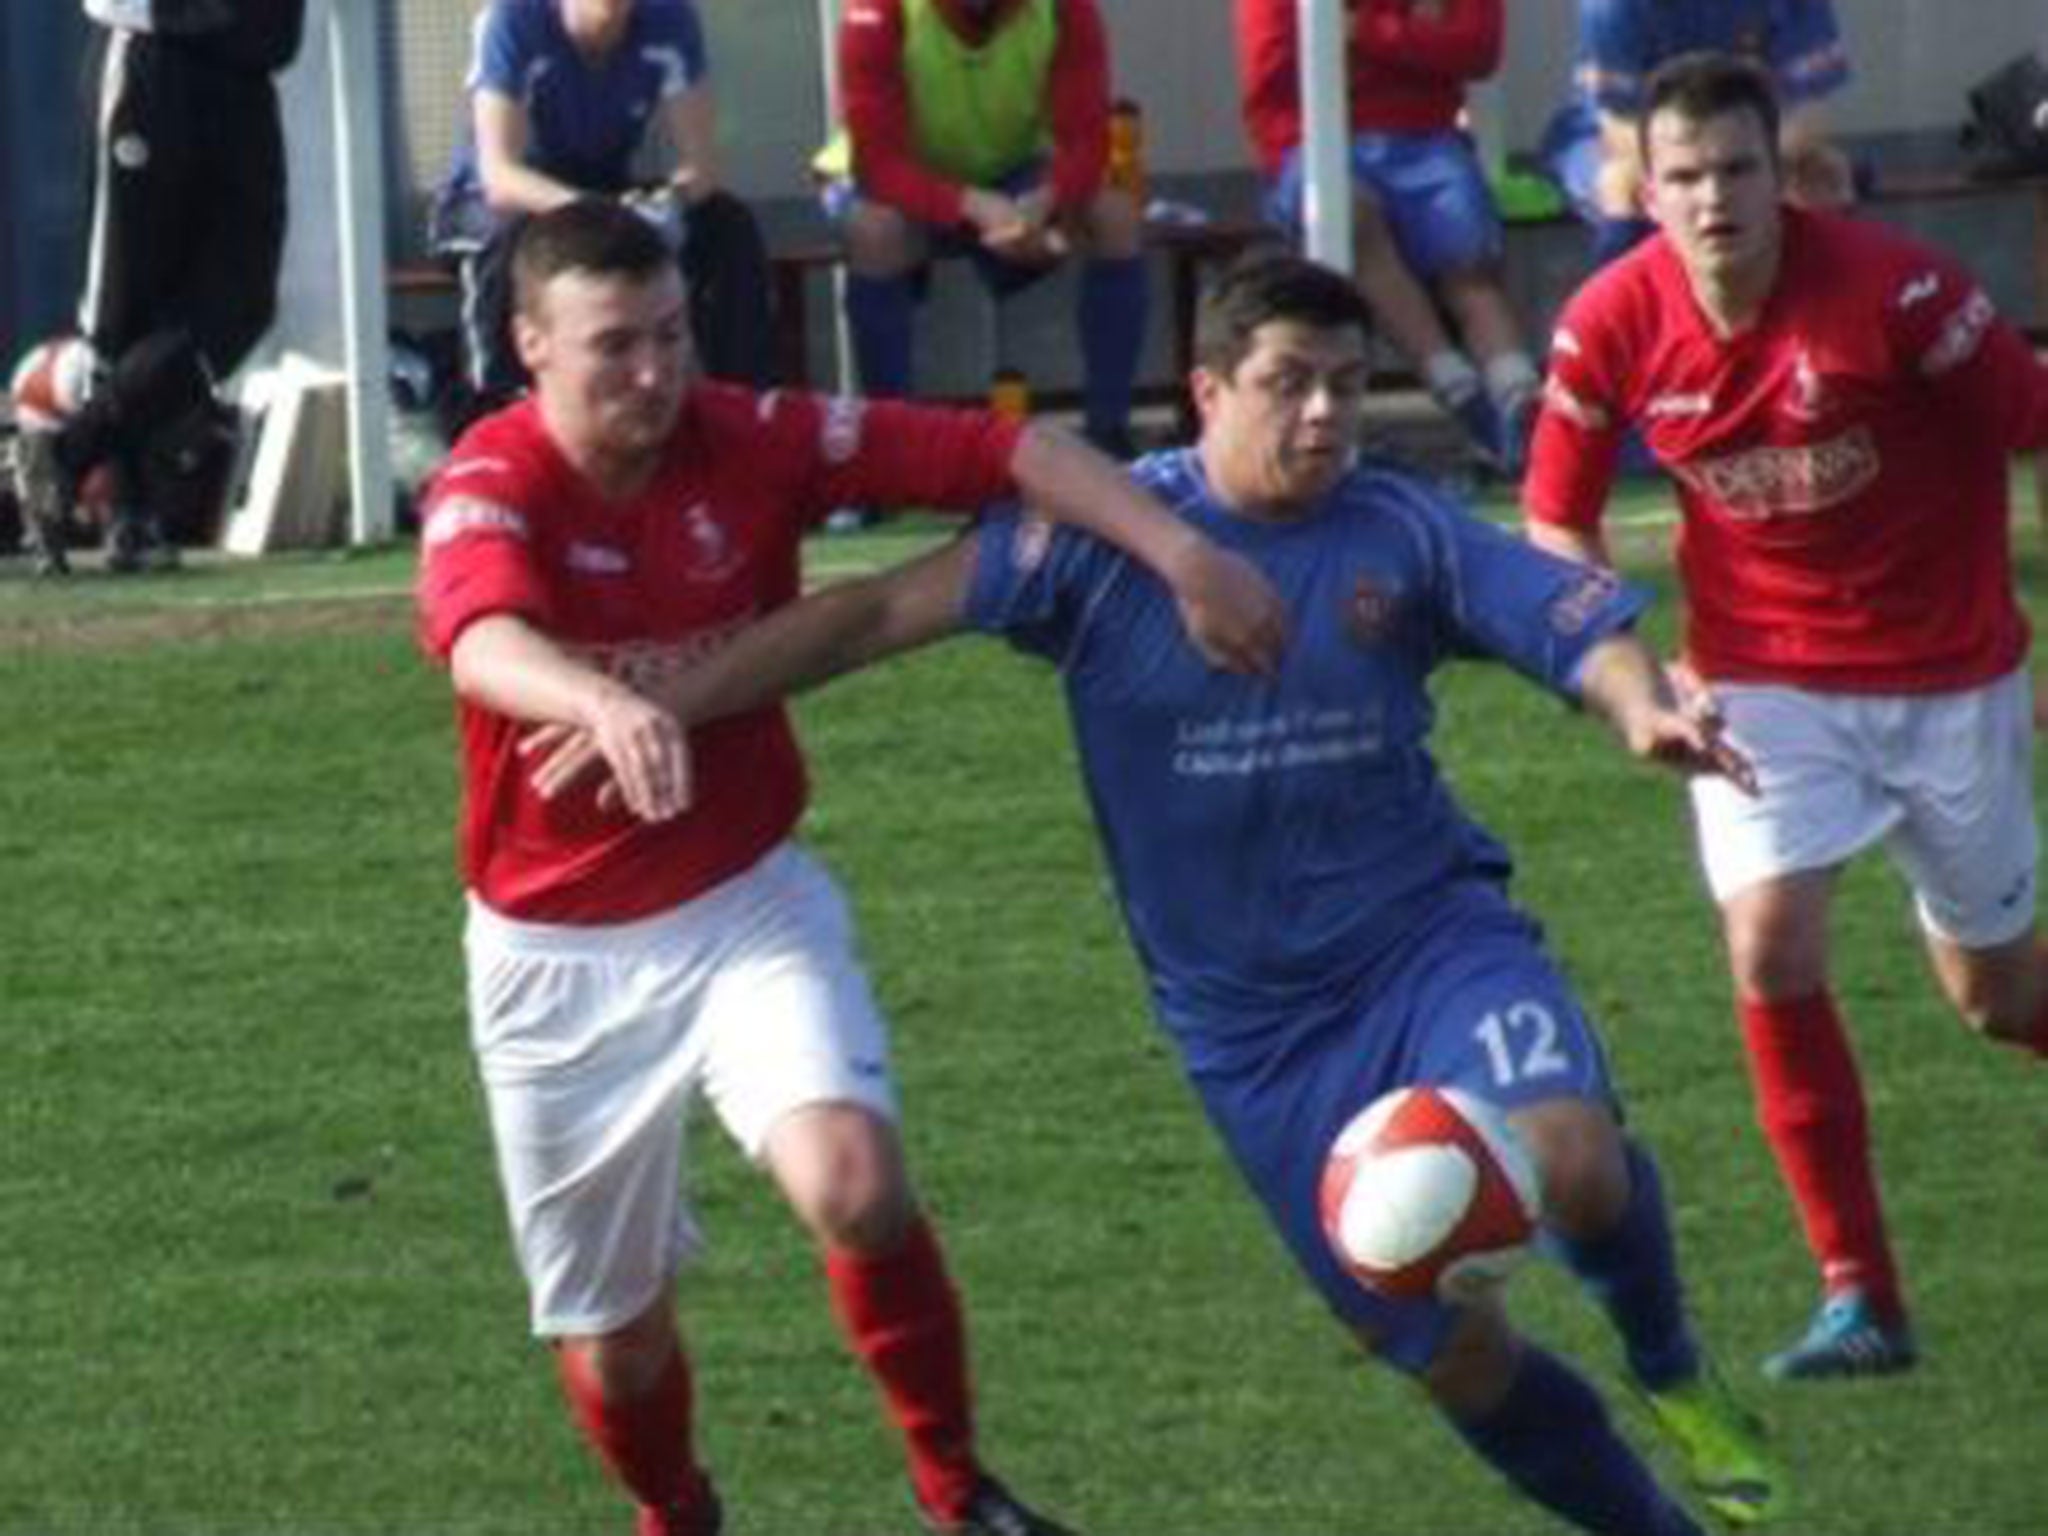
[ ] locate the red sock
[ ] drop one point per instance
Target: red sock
(644, 1440)
(902, 1317)
(1810, 1104)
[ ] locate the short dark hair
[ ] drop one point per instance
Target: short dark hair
(1271, 283)
(591, 234)
(1704, 84)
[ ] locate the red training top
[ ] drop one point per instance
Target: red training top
(1408, 70)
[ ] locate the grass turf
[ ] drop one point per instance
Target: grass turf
(254, 1277)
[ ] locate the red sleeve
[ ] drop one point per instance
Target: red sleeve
(1579, 430)
(1078, 108)
(888, 453)
(1463, 44)
(875, 100)
(1269, 86)
(1945, 329)
(476, 545)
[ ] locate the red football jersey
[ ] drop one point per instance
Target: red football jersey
(649, 583)
(1408, 71)
(1842, 464)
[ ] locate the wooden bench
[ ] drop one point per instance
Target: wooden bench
(1191, 250)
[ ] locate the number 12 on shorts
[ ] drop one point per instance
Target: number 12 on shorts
(1521, 1042)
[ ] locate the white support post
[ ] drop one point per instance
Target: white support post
(359, 215)
(1326, 130)
(828, 71)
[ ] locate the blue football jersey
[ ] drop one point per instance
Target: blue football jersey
(585, 122)
(1621, 41)
(1271, 840)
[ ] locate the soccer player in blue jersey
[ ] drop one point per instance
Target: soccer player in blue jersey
(1318, 919)
(1591, 148)
(582, 98)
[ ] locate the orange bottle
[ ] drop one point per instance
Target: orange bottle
(1009, 393)
(1127, 148)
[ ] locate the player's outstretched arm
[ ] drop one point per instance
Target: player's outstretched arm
(503, 663)
(836, 630)
(1588, 546)
(1230, 611)
(1622, 681)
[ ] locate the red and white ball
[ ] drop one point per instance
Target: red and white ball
(49, 382)
(1429, 1192)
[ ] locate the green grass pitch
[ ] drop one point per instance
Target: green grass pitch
(253, 1271)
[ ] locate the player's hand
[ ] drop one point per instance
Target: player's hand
(1690, 735)
(1008, 228)
(1230, 611)
(647, 752)
(560, 757)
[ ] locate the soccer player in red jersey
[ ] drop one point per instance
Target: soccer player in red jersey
(625, 961)
(1837, 405)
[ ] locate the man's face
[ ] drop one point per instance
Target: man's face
(1714, 189)
(610, 357)
(1282, 429)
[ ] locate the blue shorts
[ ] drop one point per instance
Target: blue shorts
(1428, 185)
(1570, 153)
(1472, 1001)
(837, 196)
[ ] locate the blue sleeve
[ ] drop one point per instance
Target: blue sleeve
(675, 33)
(1615, 53)
(1503, 598)
(1807, 54)
(499, 52)
(1035, 582)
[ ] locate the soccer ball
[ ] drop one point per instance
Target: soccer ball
(49, 382)
(1429, 1191)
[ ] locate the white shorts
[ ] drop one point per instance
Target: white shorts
(593, 1042)
(1944, 780)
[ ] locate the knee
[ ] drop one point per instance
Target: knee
(1116, 225)
(1771, 960)
(842, 1172)
(878, 241)
(2006, 1008)
(1582, 1164)
(626, 1362)
(868, 1217)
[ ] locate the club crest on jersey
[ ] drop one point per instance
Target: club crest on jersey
(712, 555)
(1030, 543)
(1803, 399)
(1371, 610)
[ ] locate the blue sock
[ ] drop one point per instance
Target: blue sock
(879, 312)
(1632, 1271)
(1552, 1439)
(1617, 237)
(1110, 312)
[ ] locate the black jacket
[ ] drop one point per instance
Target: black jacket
(256, 35)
